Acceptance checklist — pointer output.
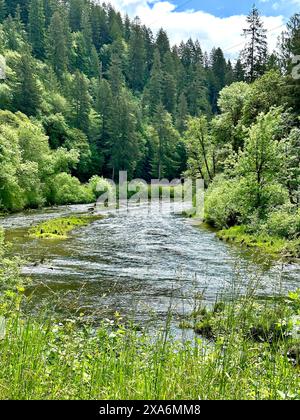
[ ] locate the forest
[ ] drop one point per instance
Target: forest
(88, 93)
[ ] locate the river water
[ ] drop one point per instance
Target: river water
(138, 263)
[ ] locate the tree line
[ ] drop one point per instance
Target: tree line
(106, 94)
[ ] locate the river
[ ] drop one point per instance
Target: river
(138, 263)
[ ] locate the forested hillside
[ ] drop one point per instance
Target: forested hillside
(88, 92)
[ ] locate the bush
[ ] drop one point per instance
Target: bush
(98, 186)
(221, 204)
(284, 224)
(67, 189)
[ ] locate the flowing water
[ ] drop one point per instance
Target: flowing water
(137, 263)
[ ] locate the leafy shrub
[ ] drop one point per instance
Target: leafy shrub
(283, 223)
(67, 189)
(221, 203)
(98, 186)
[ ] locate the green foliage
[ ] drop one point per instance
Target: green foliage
(66, 189)
(59, 228)
(251, 341)
(222, 203)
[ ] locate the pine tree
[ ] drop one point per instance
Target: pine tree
(36, 27)
(81, 101)
(254, 55)
(154, 88)
(48, 11)
(27, 94)
(136, 58)
(162, 43)
(115, 75)
(169, 93)
(3, 10)
(290, 48)
(95, 66)
(86, 29)
(182, 113)
(219, 67)
(57, 52)
(229, 76)
(127, 28)
(239, 72)
(124, 137)
(166, 159)
(13, 5)
(75, 14)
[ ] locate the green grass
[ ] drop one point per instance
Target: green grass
(69, 360)
(59, 228)
(268, 244)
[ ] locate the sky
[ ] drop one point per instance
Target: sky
(214, 22)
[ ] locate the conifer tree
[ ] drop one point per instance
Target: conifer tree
(3, 10)
(57, 52)
(162, 43)
(75, 14)
(27, 94)
(154, 88)
(254, 55)
(81, 101)
(136, 58)
(182, 113)
(239, 73)
(166, 159)
(115, 75)
(36, 27)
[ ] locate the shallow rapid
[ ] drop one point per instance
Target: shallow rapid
(138, 263)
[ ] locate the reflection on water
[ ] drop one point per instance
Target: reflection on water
(134, 263)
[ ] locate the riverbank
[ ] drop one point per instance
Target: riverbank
(271, 245)
(43, 358)
(46, 353)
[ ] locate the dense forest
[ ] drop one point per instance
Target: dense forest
(88, 92)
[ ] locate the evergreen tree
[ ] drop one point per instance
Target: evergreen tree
(81, 101)
(75, 14)
(3, 10)
(166, 139)
(182, 113)
(115, 75)
(254, 55)
(169, 93)
(57, 52)
(239, 73)
(229, 75)
(48, 11)
(162, 43)
(86, 29)
(13, 5)
(127, 28)
(124, 137)
(36, 27)
(290, 49)
(27, 94)
(154, 88)
(136, 58)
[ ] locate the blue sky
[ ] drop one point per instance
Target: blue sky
(226, 8)
(214, 23)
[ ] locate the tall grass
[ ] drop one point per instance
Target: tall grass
(43, 359)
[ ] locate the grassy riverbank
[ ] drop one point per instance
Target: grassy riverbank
(272, 245)
(253, 354)
(243, 349)
(59, 228)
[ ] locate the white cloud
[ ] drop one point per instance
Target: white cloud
(209, 29)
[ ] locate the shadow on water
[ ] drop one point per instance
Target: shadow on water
(135, 263)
